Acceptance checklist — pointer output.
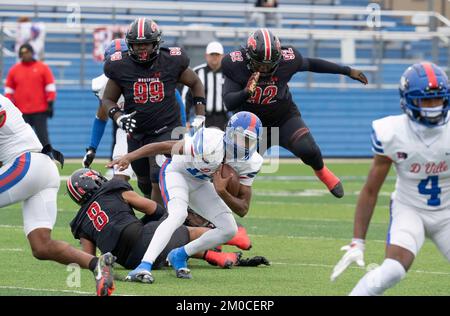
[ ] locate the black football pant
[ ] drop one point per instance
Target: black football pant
(296, 137)
(39, 123)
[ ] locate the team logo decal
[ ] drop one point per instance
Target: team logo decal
(251, 42)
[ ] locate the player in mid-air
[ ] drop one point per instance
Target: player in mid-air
(256, 80)
(147, 76)
(98, 127)
(185, 181)
(29, 175)
(106, 220)
(417, 144)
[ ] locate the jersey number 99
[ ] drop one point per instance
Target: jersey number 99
(153, 91)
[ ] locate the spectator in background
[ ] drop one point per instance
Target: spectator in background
(262, 18)
(210, 73)
(30, 33)
(31, 87)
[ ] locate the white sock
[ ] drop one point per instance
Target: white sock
(380, 279)
(226, 228)
(165, 231)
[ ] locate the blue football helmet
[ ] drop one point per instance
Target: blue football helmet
(242, 135)
(116, 45)
(424, 81)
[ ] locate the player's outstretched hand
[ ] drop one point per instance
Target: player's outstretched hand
(353, 253)
(356, 74)
(253, 262)
(252, 83)
(122, 163)
(88, 157)
(127, 122)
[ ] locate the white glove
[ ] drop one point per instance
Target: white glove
(198, 122)
(354, 253)
(127, 122)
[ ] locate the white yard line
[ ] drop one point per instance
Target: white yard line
(11, 249)
(50, 290)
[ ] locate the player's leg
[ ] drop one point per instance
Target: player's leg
(296, 137)
(41, 128)
(175, 192)
(121, 149)
(440, 225)
(141, 168)
(406, 236)
(205, 201)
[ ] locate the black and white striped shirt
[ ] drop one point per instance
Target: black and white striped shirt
(213, 82)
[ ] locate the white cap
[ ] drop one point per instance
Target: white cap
(214, 47)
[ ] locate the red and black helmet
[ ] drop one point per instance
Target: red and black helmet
(263, 52)
(143, 31)
(83, 183)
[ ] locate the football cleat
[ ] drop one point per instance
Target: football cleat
(178, 260)
(223, 259)
(331, 181)
(241, 239)
(141, 275)
(104, 277)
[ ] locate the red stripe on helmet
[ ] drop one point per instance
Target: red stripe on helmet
(432, 80)
(72, 190)
(117, 45)
(252, 123)
(141, 27)
(267, 45)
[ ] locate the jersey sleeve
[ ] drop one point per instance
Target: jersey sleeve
(252, 168)
(382, 138)
(188, 148)
(291, 55)
(179, 56)
(109, 69)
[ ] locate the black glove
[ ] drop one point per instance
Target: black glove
(89, 157)
(127, 122)
(253, 262)
(50, 109)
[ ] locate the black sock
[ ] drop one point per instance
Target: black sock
(93, 264)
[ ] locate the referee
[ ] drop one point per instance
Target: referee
(210, 74)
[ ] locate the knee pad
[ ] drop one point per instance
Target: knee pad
(303, 146)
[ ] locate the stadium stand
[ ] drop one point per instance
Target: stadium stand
(338, 111)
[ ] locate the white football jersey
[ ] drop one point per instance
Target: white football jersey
(98, 87)
(423, 175)
(16, 136)
(191, 164)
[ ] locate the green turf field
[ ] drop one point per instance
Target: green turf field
(293, 221)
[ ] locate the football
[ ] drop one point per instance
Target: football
(233, 184)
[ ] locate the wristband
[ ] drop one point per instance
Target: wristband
(113, 111)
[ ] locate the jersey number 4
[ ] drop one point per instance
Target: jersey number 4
(433, 190)
(153, 91)
(98, 217)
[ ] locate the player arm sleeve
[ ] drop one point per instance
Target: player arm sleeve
(188, 102)
(98, 129)
(182, 107)
(233, 95)
(323, 66)
(248, 178)
(50, 87)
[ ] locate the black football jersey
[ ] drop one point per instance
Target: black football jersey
(272, 99)
(149, 90)
(105, 216)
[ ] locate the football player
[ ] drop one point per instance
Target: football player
(417, 144)
(147, 76)
(98, 127)
(256, 80)
(185, 181)
(106, 220)
(29, 175)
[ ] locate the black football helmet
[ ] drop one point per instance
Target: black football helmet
(83, 183)
(263, 52)
(143, 31)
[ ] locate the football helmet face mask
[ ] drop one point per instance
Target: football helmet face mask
(83, 183)
(263, 52)
(242, 136)
(420, 84)
(143, 40)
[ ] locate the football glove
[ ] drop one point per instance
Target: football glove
(353, 253)
(88, 157)
(253, 262)
(198, 122)
(127, 122)
(252, 83)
